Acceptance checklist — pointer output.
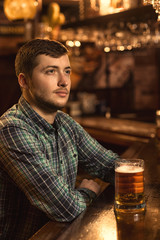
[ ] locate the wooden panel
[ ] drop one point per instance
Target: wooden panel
(114, 138)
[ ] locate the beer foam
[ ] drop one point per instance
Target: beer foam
(129, 169)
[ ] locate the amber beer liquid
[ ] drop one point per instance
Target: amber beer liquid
(129, 186)
(130, 226)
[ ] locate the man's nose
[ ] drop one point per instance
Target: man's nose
(63, 81)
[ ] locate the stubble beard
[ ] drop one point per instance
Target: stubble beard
(48, 106)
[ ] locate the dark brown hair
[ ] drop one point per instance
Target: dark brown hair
(25, 60)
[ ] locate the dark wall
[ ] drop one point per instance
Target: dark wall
(9, 88)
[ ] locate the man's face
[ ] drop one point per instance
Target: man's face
(49, 86)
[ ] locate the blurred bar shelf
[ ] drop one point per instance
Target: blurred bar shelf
(139, 14)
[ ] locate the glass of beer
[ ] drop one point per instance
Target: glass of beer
(130, 225)
(129, 185)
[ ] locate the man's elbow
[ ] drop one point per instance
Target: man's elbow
(67, 216)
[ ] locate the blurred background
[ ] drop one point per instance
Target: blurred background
(114, 51)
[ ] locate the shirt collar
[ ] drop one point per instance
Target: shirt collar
(29, 112)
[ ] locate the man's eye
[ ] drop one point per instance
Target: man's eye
(68, 72)
(50, 71)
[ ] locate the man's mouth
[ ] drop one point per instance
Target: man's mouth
(61, 93)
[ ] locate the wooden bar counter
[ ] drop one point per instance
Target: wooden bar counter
(99, 222)
(117, 131)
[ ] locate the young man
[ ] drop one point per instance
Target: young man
(41, 147)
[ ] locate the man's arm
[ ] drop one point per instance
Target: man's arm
(94, 158)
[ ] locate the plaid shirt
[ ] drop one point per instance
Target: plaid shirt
(38, 168)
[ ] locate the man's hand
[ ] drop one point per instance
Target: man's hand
(91, 185)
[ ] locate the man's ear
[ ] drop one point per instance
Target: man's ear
(23, 81)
